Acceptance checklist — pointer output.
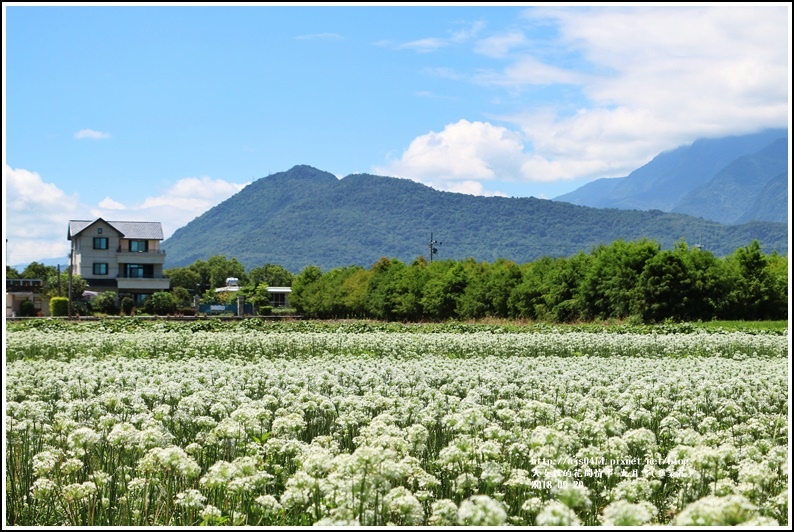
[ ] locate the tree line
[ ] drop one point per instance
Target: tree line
(624, 279)
(616, 281)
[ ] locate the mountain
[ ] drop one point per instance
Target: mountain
(58, 261)
(734, 193)
(673, 177)
(771, 203)
(305, 216)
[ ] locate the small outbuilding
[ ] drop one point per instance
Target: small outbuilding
(279, 295)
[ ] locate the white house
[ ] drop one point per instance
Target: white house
(124, 257)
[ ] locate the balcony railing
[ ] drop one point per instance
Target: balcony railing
(150, 282)
(151, 251)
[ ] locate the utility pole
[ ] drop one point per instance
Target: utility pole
(433, 249)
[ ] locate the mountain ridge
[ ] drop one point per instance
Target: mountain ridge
(699, 179)
(306, 216)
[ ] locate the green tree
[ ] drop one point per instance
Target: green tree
(221, 268)
(561, 300)
(160, 304)
(777, 271)
(187, 278)
(36, 270)
(52, 287)
(304, 289)
(709, 284)
(527, 298)
(443, 289)
(202, 269)
(663, 288)
(12, 273)
(181, 296)
(107, 302)
(503, 277)
(383, 290)
(409, 284)
(757, 294)
(355, 292)
(475, 302)
(607, 291)
(330, 296)
(270, 274)
(259, 296)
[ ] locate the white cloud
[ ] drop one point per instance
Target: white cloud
(433, 96)
(38, 213)
(319, 36)
(500, 45)
(639, 80)
(431, 44)
(175, 207)
(468, 32)
(109, 203)
(443, 72)
(463, 154)
(530, 71)
(658, 77)
(91, 134)
(475, 188)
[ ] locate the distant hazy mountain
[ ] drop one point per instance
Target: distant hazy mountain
(45, 262)
(734, 193)
(771, 203)
(671, 181)
(309, 217)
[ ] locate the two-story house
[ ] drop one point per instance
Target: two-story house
(124, 257)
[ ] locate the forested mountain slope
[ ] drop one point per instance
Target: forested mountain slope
(305, 216)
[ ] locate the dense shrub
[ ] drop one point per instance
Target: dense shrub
(59, 306)
(27, 309)
(127, 306)
(80, 308)
(160, 303)
(107, 302)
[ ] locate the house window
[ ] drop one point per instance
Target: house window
(100, 268)
(100, 242)
(135, 271)
(279, 299)
(99, 231)
(139, 245)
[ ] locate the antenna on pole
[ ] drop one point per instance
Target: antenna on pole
(433, 249)
(699, 245)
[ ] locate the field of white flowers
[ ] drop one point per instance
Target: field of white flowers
(375, 428)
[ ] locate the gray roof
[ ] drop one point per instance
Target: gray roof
(136, 230)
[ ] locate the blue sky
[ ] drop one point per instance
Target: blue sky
(156, 112)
